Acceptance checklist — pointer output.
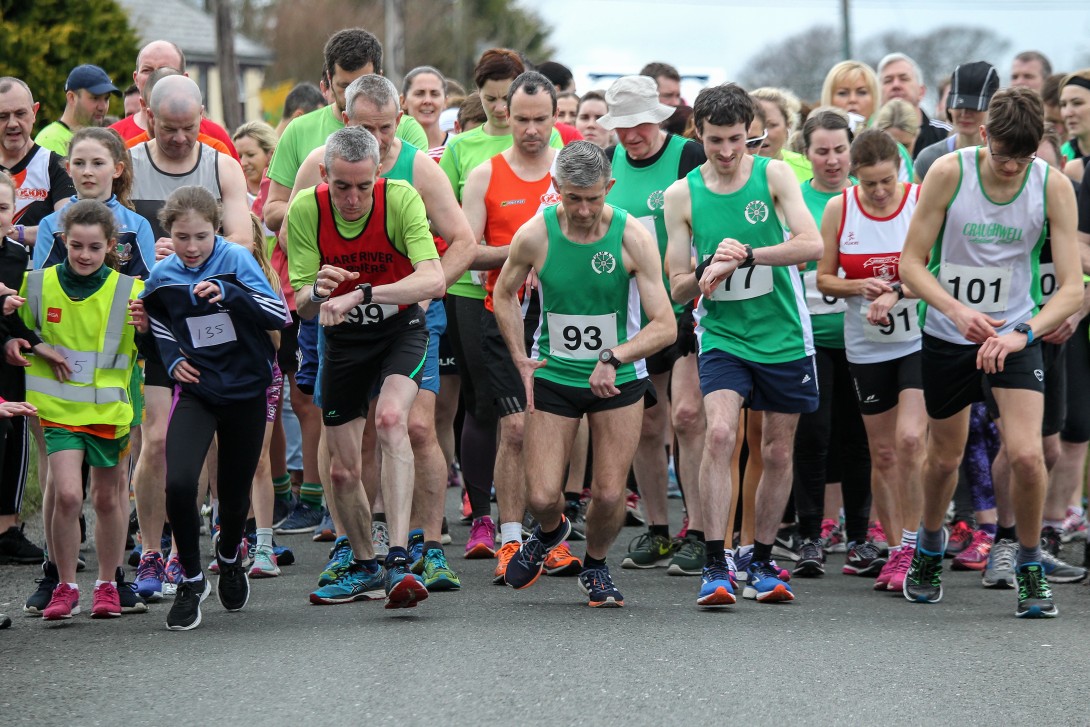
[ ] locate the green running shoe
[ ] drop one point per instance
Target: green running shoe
(689, 557)
(438, 575)
(340, 559)
(923, 582)
(648, 551)
(1034, 595)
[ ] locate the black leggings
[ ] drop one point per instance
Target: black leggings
(831, 446)
(240, 427)
(14, 455)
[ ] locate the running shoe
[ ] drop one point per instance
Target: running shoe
(787, 543)
(130, 601)
(150, 575)
(482, 539)
(38, 600)
(742, 561)
(1059, 571)
(282, 508)
(303, 519)
(454, 475)
(648, 550)
(340, 560)
(574, 513)
(923, 582)
(233, 586)
(863, 559)
(961, 537)
(832, 537)
(105, 601)
(244, 548)
(999, 571)
(438, 575)
(633, 515)
(902, 561)
(403, 588)
(882, 581)
(598, 586)
(503, 557)
(716, 588)
(528, 563)
(444, 533)
(64, 603)
(173, 572)
(1050, 539)
(326, 532)
(264, 565)
(5, 621)
(467, 509)
(355, 583)
(690, 555)
(811, 562)
(732, 567)
(1034, 595)
(876, 535)
(284, 555)
(1074, 527)
(185, 613)
(380, 538)
(561, 562)
(16, 548)
(764, 585)
(975, 557)
(783, 573)
(416, 551)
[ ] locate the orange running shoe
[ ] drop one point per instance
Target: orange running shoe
(503, 557)
(560, 562)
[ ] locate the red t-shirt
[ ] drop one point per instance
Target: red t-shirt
(128, 128)
(568, 133)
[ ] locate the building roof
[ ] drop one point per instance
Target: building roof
(192, 29)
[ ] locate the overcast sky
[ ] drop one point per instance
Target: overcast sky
(695, 35)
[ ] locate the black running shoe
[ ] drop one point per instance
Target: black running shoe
(185, 614)
(233, 586)
(131, 602)
(811, 563)
(41, 597)
(863, 559)
(923, 582)
(1050, 540)
(16, 548)
(787, 543)
(1034, 595)
(574, 513)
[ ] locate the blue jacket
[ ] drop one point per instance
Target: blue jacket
(227, 342)
(135, 241)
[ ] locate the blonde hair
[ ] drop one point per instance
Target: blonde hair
(787, 102)
(261, 252)
(898, 114)
(841, 71)
(259, 131)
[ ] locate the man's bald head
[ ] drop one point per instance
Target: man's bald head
(177, 94)
(155, 55)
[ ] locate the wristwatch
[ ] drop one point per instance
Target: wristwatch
(899, 290)
(1024, 328)
(315, 297)
(365, 288)
(607, 357)
(748, 262)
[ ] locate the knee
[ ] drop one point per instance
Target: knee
(421, 431)
(341, 476)
(910, 446)
(653, 427)
(777, 453)
(720, 439)
(610, 498)
(883, 457)
(104, 499)
(544, 500)
(68, 500)
(1026, 463)
(688, 419)
(513, 430)
(391, 424)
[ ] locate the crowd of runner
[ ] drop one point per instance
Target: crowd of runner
(576, 304)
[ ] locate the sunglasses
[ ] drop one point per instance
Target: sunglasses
(756, 141)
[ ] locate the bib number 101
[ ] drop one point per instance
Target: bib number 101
(983, 289)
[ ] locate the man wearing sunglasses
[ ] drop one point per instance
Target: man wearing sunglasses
(648, 161)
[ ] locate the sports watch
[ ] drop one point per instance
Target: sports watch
(1024, 328)
(607, 357)
(365, 288)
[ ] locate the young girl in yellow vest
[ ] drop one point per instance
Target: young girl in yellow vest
(85, 311)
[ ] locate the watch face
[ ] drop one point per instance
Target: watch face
(605, 356)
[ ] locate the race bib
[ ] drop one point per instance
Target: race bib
(211, 330)
(581, 337)
(1048, 281)
(745, 283)
(82, 364)
(983, 289)
(903, 326)
(370, 314)
(817, 302)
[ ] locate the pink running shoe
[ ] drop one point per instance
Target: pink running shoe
(832, 537)
(881, 583)
(482, 539)
(902, 559)
(105, 601)
(877, 536)
(975, 557)
(684, 529)
(63, 604)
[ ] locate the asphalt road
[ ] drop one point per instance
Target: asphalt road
(840, 654)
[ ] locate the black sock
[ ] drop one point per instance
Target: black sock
(552, 535)
(589, 563)
(697, 535)
(378, 517)
(396, 552)
(572, 497)
(762, 552)
(432, 545)
(370, 565)
(714, 553)
(663, 530)
(1002, 533)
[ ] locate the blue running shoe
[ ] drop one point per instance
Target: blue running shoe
(763, 583)
(438, 575)
(526, 566)
(356, 584)
(340, 560)
(598, 585)
(416, 551)
(150, 576)
(326, 531)
(716, 588)
(403, 588)
(174, 573)
(303, 519)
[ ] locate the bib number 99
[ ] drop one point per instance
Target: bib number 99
(370, 314)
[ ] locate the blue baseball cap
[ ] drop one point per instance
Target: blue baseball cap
(91, 78)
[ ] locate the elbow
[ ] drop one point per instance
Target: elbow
(438, 285)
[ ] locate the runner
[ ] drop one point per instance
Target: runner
(972, 88)
(87, 100)
(753, 329)
(592, 106)
(591, 260)
(982, 315)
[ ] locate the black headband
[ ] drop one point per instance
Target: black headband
(1078, 81)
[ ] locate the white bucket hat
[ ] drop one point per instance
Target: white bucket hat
(634, 100)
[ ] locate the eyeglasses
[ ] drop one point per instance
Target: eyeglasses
(1002, 159)
(755, 142)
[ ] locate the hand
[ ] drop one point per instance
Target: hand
(61, 368)
(9, 409)
(185, 373)
(873, 287)
(974, 325)
(878, 311)
(209, 289)
(991, 356)
(603, 381)
(532, 281)
(334, 310)
(138, 316)
(729, 249)
(12, 303)
(526, 367)
(13, 352)
(1065, 330)
(716, 273)
(164, 247)
(330, 278)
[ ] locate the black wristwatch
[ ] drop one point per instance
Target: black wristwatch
(365, 288)
(899, 290)
(1025, 328)
(748, 262)
(607, 357)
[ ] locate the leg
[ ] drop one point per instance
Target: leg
(650, 462)
(722, 410)
(262, 492)
(777, 445)
(615, 446)
(548, 443)
(510, 478)
(111, 520)
(431, 467)
(911, 430)
(66, 469)
(752, 475)
(149, 479)
(392, 425)
(687, 413)
(349, 498)
(240, 428)
(1022, 440)
(189, 435)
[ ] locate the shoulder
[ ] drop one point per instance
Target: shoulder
(679, 191)
(401, 196)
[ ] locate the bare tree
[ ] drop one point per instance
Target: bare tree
(939, 51)
(798, 62)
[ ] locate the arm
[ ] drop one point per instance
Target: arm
(159, 320)
(236, 209)
(805, 244)
(642, 260)
(485, 257)
(446, 216)
(528, 248)
(1065, 254)
(276, 205)
(679, 233)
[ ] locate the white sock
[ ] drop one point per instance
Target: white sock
(1056, 524)
(227, 560)
(1078, 511)
(99, 583)
(908, 539)
(510, 533)
(74, 586)
(264, 537)
(744, 549)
